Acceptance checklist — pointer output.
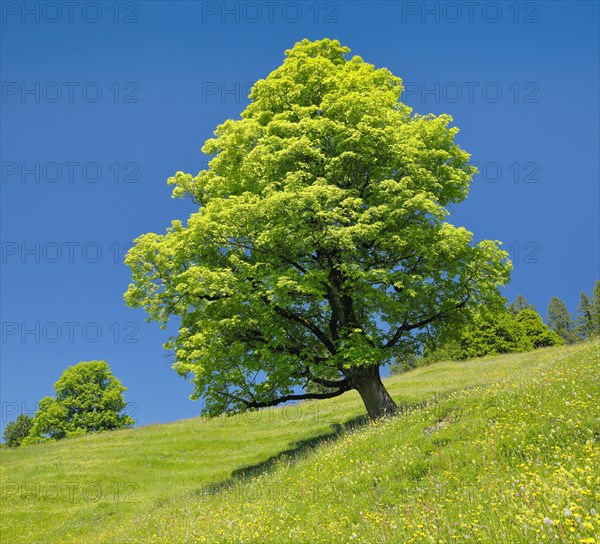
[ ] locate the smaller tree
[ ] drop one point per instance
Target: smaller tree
(493, 334)
(585, 320)
(88, 399)
(535, 334)
(488, 333)
(561, 321)
(16, 431)
(520, 304)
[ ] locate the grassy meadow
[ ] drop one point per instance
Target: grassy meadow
(503, 449)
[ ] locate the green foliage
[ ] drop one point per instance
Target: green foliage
(88, 399)
(320, 244)
(561, 321)
(534, 333)
(585, 320)
(588, 321)
(520, 304)
(16, 431)
(404, 365)
(491, 333)
(488, 334)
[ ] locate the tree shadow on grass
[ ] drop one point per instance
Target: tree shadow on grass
(298, 450)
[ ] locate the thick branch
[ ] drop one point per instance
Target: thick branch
(322, 381)
(288, 314)
(256, 336)
(406, 327)
(302, 396)
(251, 404)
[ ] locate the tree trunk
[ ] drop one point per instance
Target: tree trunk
(367, 381)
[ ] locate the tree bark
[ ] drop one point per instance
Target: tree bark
(367, 381)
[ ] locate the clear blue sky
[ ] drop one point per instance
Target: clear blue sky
(100, 105)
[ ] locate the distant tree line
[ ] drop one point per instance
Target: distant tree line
(519, 328)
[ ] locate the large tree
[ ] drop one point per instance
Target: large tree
(320, 250)
(89, 398)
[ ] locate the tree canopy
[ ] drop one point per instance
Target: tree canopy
(561, 321)
(89, 398)
(320, 249)
(16, 431)
(535, 334)
(588, 321)
(520, 304)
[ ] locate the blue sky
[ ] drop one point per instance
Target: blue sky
(102, 102)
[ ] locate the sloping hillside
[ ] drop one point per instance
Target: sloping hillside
(502, 449)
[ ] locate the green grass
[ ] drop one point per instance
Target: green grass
(501, 449)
